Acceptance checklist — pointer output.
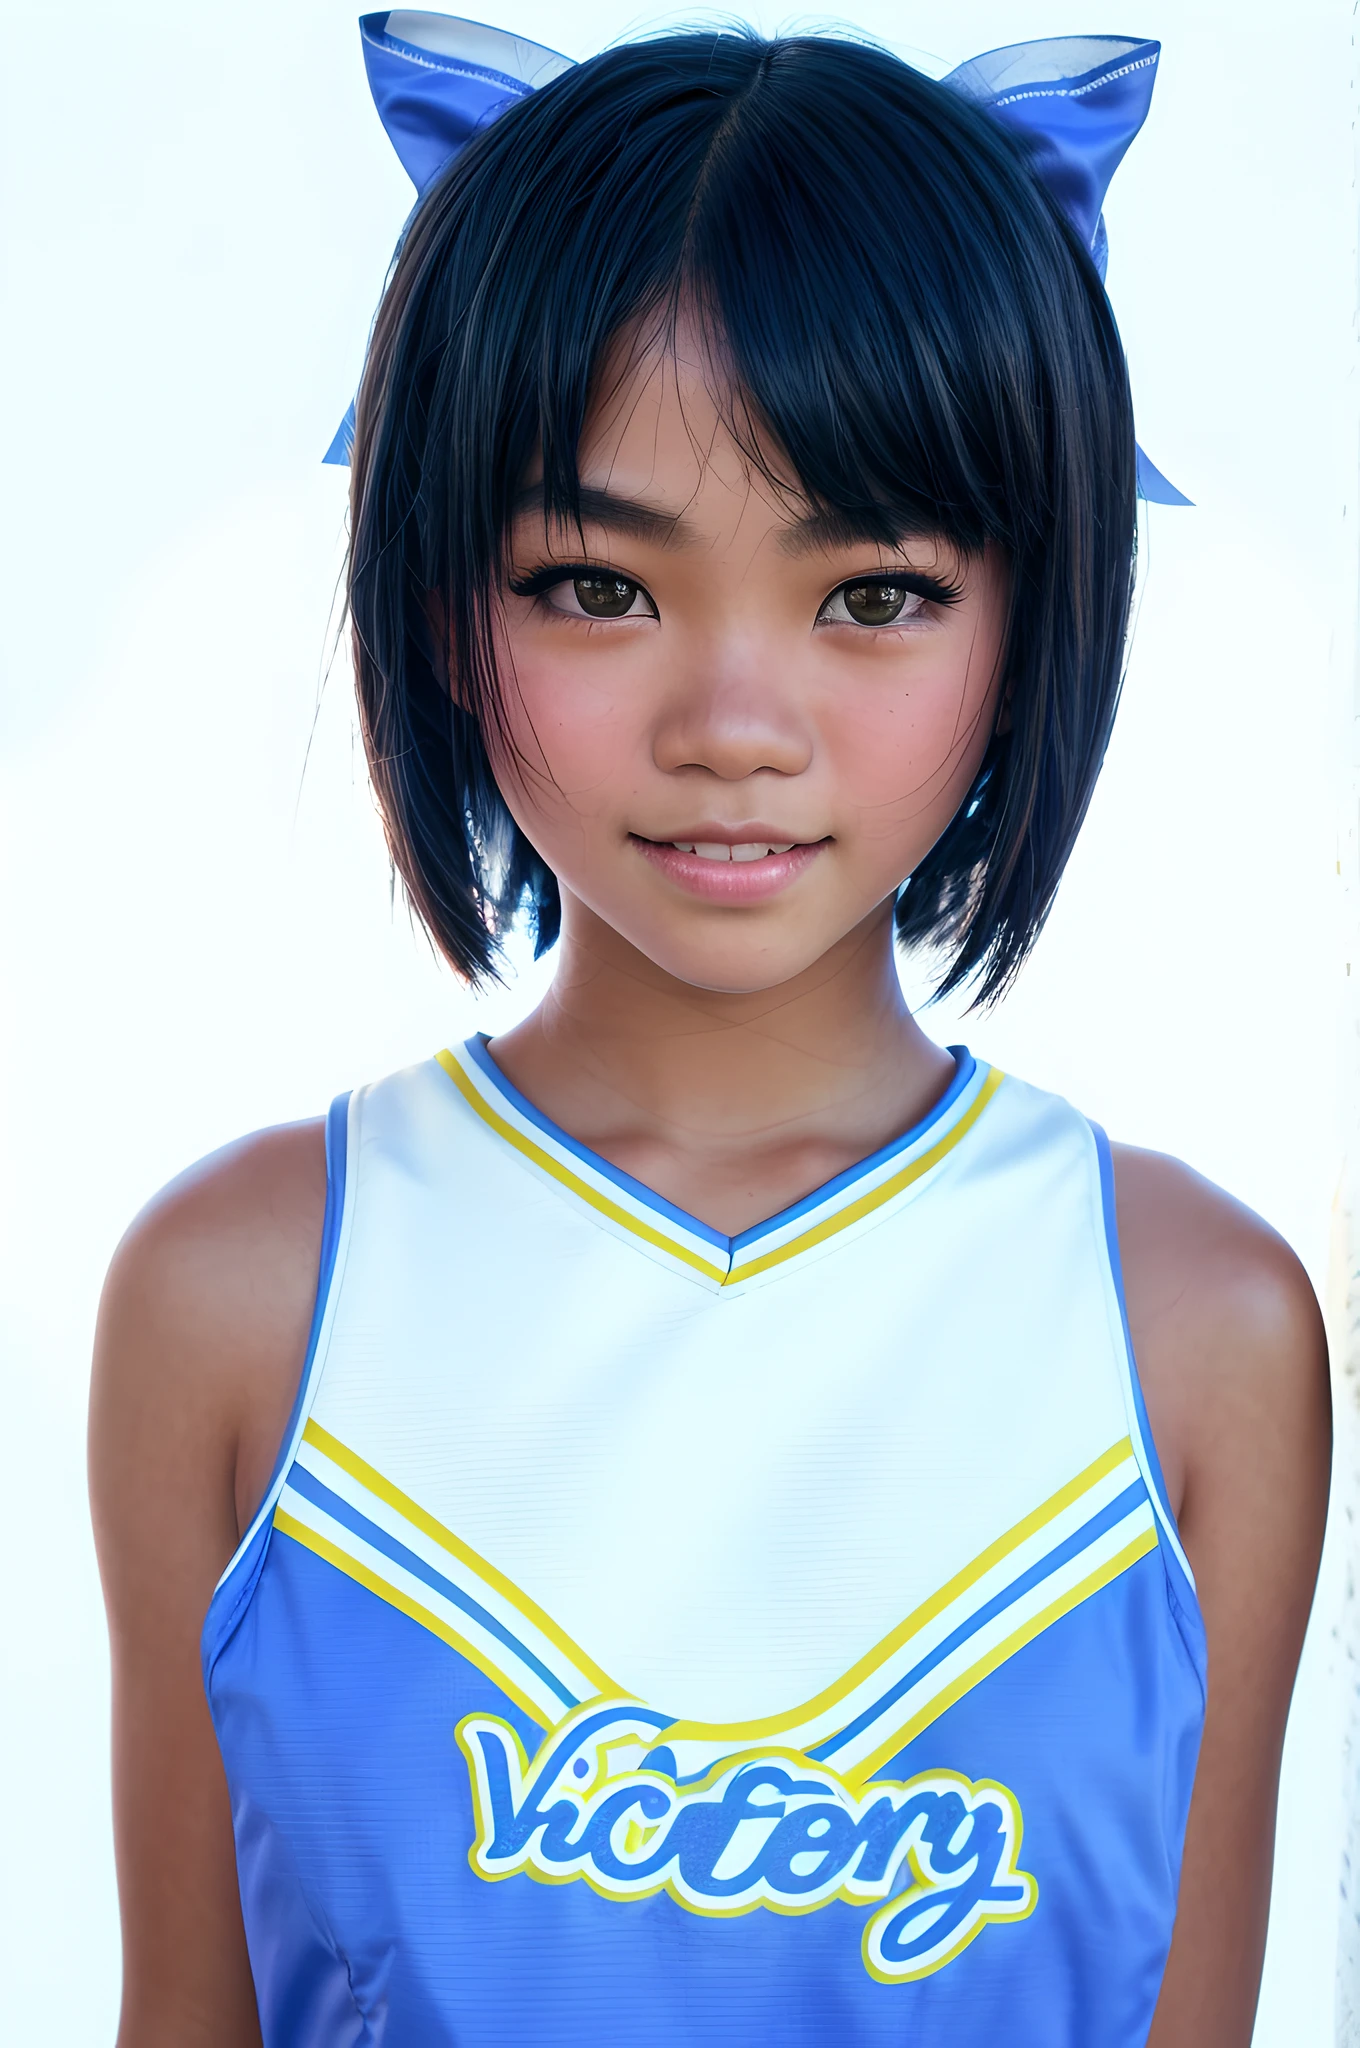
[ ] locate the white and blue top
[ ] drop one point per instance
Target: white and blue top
(654, 1636)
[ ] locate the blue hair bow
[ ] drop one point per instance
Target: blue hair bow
(1076, 102)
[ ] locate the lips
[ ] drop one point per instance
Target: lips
(731, 871)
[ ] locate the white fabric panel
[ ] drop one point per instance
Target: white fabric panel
(724, 1495)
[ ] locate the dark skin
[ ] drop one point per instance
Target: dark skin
(733, 1056)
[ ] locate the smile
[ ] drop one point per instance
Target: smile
(734, 871)
(715, 849)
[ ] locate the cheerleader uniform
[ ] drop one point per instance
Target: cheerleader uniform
(656, 1637)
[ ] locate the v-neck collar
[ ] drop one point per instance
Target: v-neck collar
(617, 1200)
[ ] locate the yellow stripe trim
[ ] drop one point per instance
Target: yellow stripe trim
(865, 1206)
(826, 1702)
(394, 1597)
(741, 1733)
(616, 1214)
(350, 1461)
(853, 1212)
(860, 1773)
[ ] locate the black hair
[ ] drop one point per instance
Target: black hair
(905, 315)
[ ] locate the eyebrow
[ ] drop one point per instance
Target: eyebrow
(819, 532)
(814, 533)
(629, 516)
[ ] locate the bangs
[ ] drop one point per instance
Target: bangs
(851, 252)
(893, 307)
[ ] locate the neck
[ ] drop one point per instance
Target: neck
(729, 1104)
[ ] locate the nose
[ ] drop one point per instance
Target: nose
(732, 713)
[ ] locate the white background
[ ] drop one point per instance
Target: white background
(196, 933)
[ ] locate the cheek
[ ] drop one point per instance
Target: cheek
(905, 751)
(575, 733)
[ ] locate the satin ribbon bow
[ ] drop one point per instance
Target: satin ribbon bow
(1076, 102)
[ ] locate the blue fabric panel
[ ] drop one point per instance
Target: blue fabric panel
(367, 1924)
(1082, 1742)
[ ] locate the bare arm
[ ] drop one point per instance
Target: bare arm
(202, 1331)
(1233, 1362)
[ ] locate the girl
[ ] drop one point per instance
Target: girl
(731, 1546)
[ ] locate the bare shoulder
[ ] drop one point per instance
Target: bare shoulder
(1232, 1359)
(202, 1333)
(1186, 1242)
(203, 1324)
(1226, 1330)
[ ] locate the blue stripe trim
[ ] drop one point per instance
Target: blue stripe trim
(476, 1049)
(1080, 1540)
(965, 1067)
(1148, 1446)
(217, 1625)
(337, 1151)
(311, 1488)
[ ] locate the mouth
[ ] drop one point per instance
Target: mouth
(718, 849)
(746, 870)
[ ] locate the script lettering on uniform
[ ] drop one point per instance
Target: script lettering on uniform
(601, 1801)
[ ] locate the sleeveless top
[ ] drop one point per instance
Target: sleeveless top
(656, 1637)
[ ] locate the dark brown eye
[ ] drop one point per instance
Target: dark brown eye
(875, 604)
(605, 597)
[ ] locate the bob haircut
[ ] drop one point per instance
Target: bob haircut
(898, 307)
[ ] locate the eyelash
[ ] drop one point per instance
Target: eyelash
(536, 583)
(925, 587)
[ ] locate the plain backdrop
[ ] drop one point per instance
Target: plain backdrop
(199, 934)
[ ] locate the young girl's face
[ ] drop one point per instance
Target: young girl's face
(731, 730)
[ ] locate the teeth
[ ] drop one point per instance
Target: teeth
(713, 849)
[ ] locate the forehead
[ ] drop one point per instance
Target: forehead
(668, 421)
(672, 455)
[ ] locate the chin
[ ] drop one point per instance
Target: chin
(726, 966)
